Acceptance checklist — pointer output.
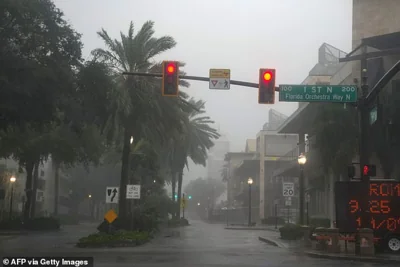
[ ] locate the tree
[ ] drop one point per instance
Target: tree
(194, 142)
(37, 54)
(204, 191)
(336, 131)
(139, 109)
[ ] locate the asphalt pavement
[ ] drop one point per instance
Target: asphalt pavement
(200, 244)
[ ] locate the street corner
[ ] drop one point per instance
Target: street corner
(272, 241)
(370, 259)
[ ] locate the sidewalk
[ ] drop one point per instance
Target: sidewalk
(275, 240)
(380, 258)
(257, 227)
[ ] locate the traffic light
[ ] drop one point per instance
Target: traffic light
(266, 86)
(369, 170)
(170, 78)
(190, 197)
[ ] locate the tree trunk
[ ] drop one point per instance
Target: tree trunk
(126, 150)
(34, 188)
(178, 210)
(28, 189)
(56, 187)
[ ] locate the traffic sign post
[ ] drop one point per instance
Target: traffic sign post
(288, 189)
(318, 93)
(220, 79)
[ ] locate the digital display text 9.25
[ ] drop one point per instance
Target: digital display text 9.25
(374, 204)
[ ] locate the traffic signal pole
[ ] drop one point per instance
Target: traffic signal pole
(194, 78)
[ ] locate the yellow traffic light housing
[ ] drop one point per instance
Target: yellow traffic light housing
(170, 78)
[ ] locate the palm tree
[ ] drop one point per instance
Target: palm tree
(139, 109)
(193, 143)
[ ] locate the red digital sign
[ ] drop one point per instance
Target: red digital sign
(374, 205)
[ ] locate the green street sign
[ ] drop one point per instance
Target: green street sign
(318, 93)
(373, 115)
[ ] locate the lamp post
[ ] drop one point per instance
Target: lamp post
(307, 207)
(250, 182)
(301, 160)
(12, 181)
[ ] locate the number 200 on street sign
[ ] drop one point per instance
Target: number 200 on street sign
(288, 189)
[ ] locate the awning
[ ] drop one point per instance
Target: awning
(377, 46)
(300, 121)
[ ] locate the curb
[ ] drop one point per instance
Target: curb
(250, 228)
(271, 242)
(351, 257)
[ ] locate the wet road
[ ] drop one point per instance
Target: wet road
(200, 244)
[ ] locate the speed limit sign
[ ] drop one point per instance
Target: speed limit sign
(288, 189)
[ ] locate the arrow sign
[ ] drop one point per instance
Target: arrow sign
(112, 193)
(115, 191)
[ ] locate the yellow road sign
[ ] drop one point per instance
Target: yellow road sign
(220, 73)
(110, 216)
(183, 202)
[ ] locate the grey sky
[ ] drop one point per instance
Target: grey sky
(242, 35)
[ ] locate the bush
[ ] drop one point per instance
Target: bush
(35, 224)
(272, 220)
(118, 239)
(320, 222)
(291, 231)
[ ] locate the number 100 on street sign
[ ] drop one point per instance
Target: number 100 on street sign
(288, 189)
(318, 93)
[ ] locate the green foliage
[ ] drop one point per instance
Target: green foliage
(291, 231)
(320, 222)
(118, 239)
(201, 189)
(37, 54)
(336, 131)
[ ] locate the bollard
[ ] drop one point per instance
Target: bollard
(367, 247)
(333, 245)
(306, 236)
(320, 244)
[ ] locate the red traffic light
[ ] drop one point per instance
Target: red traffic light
(171, 68)
(365, 169)
(267, 76)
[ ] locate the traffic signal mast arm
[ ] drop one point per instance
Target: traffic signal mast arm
(382, 83)
(195, 78)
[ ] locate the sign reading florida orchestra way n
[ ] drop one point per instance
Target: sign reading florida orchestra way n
(318, 93)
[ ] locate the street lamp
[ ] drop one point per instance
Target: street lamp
(307, 207)
(250, 182)
(301, 160)
(12, 181)
(90, 196)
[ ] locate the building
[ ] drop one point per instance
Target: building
(216, 155)
(376, 48)
(256, 163)
(45, 192)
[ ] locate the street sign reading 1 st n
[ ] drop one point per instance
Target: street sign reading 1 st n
(318, 93)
